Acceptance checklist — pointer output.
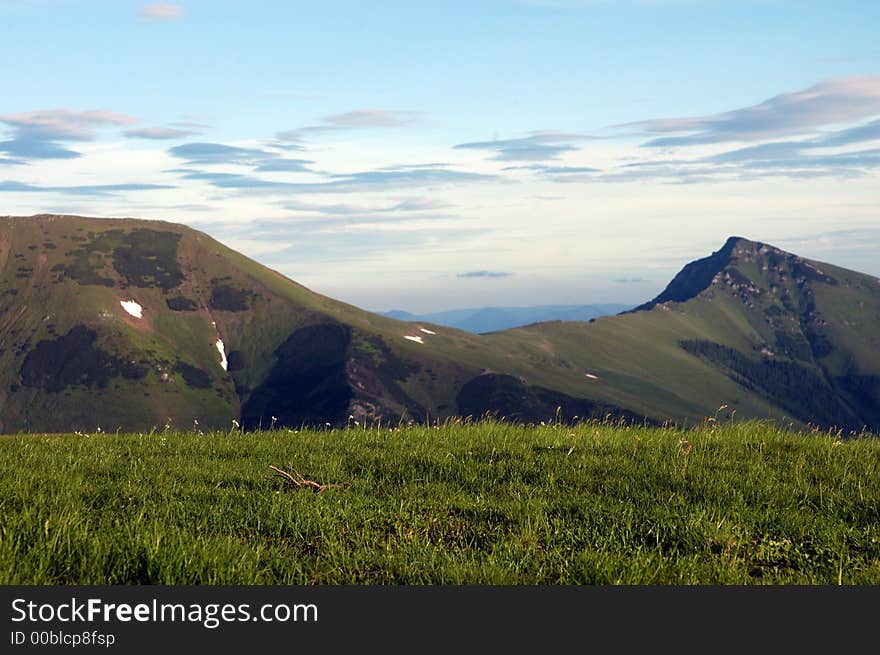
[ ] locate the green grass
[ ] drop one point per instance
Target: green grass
(487, 503)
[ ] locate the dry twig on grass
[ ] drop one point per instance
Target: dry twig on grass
(297, 480)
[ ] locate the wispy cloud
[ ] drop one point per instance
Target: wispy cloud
(191, 125)
(484, 274)
(835, 101)
(159, 133)
(353, 120)
(379, 180)
(10, 186)
(261, 160)
(818, 121)
(326, 242)
(537, 146)
(850, 136)
(416, 205)
(41, 134)
(281, 165)
(219, 153)
(366, 181)
(554, 170)
(231, 180)
(373, 118)
(161, 11)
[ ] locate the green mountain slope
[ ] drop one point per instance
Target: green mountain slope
(132, 325)
(767, 333)
(72, 356)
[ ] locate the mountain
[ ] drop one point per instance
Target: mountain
(133, 325)
(480, 320)
(129, 324)
(763, 331)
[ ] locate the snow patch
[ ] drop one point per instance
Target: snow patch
(427, 331)
(222, 350)
(132, 308)
(591, 376)
(416, 339)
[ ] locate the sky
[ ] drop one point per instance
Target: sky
(435, 155)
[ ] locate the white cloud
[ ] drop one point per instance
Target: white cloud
(159, 133)
(161, 11)
(65, 123)
(835, 101)
(373, 118)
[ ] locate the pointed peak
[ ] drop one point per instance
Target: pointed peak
(696, 276)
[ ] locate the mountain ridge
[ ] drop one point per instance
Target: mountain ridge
(131, 324)
(480, 320)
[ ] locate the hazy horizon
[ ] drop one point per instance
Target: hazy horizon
(435, 156)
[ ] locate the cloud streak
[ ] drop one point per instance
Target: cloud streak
(160, 12)
(41, 134)
(401, 206)
(159, 133)
(358, 119)
(538, 146)
(833, 101)
(11, 186)
(373, 118)
(365, 181)
(484, 274)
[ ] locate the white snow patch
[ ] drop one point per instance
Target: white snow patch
(132, 308)
(222, 350)
(427, 331)
(416, 339)
(591, 376)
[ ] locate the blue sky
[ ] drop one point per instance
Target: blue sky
(429, 155)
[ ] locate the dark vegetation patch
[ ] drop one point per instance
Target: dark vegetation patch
(194, 377)
(377, 372)
(506, 396)
(794, 346)
(863, 394)
(820, 344)
(23, 348)
(308, 384)
(48, 245)
(798, 389)
(73, 360)
(382, 359)
(181, 304)
(226, 297)
(235, 361)
(148, 258)
(143, 258)
(88, 262)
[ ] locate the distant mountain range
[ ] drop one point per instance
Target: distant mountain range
(133, 325)
(480, 320)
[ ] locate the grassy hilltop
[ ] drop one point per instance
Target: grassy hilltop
(459, 503)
